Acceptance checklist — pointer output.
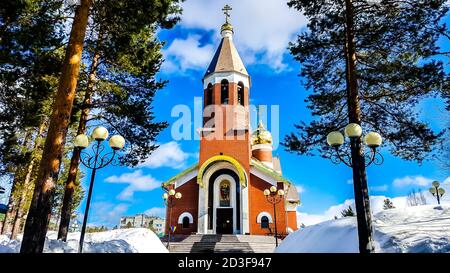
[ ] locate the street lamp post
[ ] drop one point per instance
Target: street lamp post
(96, 161)
(436, 191)
(274, 197)
(358, 160)
(75, 226)
(169, 201)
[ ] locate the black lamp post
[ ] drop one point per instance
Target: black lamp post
(96, 161)
(358, 160)
(436, 191)
(170, 200)
(274, 197)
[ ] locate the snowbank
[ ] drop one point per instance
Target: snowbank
(410, 229)
(133, 240)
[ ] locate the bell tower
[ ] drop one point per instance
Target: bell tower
(226, 85)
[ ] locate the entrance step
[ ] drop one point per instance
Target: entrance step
(221, 243)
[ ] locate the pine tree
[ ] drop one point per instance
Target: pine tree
(388, 204)
(393, 41)
(365, 62)
(30, 48)
(41, 204)
(125, 57)
(348, 212)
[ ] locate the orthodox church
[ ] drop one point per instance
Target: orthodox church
(224, 192)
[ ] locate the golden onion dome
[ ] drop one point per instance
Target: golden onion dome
(226, 26)
(261, 135)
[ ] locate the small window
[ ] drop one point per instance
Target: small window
(240, 93)
(224, 92)
(186, 222)
(264, 222)
(209, 95)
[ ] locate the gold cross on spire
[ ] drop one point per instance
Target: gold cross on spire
(226, 10)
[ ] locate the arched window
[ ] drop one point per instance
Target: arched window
(186, 222)
(209, 94)
(182, 219)
(224, 86)
(240, 93)
(264, 222)
(264, 219)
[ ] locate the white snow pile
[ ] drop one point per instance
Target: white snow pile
(133, 240)
(418, 229)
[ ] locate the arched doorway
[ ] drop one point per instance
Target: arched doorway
(224, 202)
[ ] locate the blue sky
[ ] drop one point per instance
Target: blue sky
(262, 33)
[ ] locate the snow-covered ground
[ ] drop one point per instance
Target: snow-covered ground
(416, 229)
(133, 240)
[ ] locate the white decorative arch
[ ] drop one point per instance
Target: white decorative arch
(261, 215)
(188, 215)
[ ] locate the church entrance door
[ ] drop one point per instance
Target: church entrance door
(224, 221)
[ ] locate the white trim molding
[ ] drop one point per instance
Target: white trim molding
(263, 147)
(269, 179)
(232, 77)
(185, 178)
(186, 214)
(261, 215)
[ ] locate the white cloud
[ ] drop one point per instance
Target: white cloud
(380, 188)
(106, 213)
(167, 155)
(187, 54)
(300, 188)
(136, 181)
(156, 211)
(261, 28)
(412, 181)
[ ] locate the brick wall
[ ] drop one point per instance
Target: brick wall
(188, 203)
(258, 204)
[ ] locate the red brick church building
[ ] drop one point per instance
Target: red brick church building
(224, 192)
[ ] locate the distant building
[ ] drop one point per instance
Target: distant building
(159, 225)
(143, 221)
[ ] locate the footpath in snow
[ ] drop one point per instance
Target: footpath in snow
(419, 229)
(133, 240)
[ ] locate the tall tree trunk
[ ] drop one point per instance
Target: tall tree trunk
(10, 216)
(41, 204)
(14, 197)
(27, 185)
(362, 202)
(71, 183)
